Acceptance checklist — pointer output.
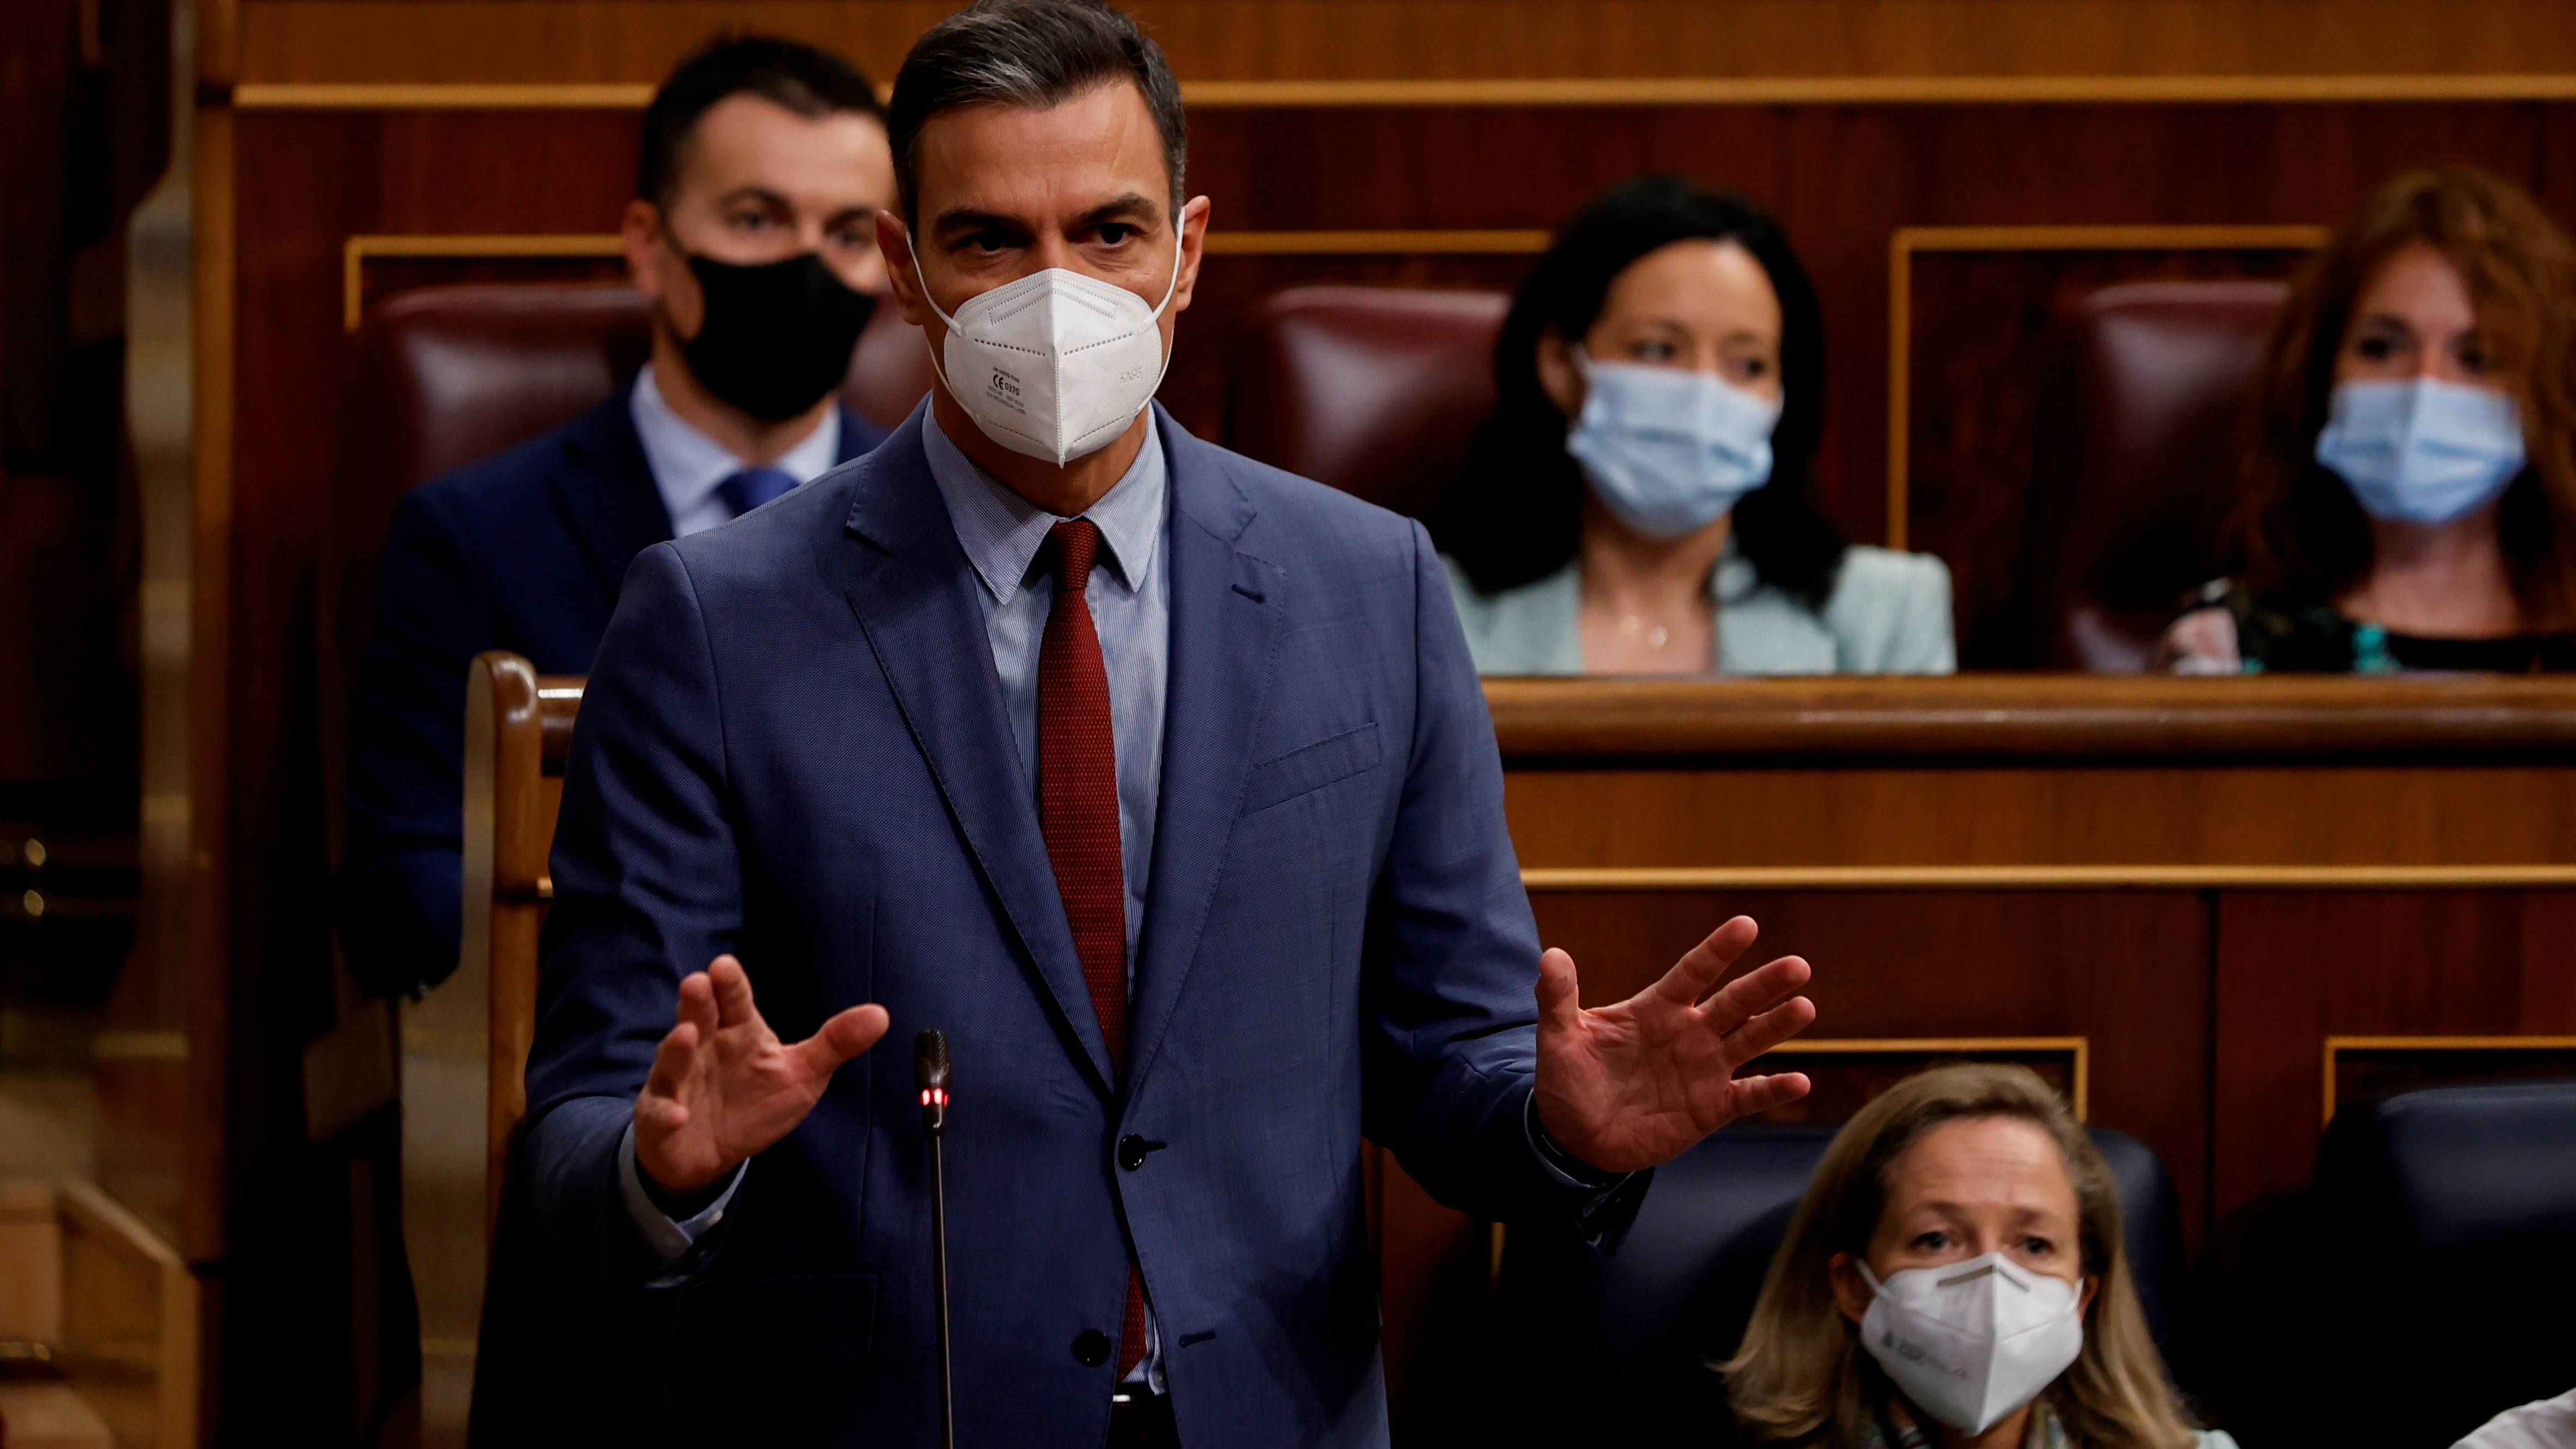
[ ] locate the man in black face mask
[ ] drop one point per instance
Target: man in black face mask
(753, 233)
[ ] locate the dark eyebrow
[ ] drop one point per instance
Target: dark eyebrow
(1128, 208)
(961, 220)
(761, 194)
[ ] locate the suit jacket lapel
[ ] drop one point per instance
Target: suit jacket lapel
(1225, 609)
(607, 494)
(913, 591)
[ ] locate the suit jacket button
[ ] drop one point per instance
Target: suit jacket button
(1091, 1348)
(1131, 1152)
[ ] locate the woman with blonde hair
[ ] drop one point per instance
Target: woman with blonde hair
(2407, 483)
(1955, 1276)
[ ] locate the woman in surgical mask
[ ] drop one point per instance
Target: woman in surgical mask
(1955, 1276)
(1641, 501)
(2408, 488)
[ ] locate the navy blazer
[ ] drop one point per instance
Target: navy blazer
(794, 748)
(520, 551)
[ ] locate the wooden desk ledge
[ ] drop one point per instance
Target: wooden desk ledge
(1537, 720)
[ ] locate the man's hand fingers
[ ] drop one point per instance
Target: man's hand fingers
(672, 1062)
(843, 1037)
(733, 992)
(1769, 1029)
(1560, 993)
(1757, 1095)
(697, 1003)
(1702, 964)
(1755, 992)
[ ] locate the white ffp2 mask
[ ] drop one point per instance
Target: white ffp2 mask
(1056, 364)
(1971, 1342)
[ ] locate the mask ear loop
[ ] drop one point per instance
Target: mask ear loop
(933, 304)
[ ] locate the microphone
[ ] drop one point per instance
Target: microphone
(930, 1074)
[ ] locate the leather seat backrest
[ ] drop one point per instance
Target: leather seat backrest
(2137, 430)
(1374, 390)
(445, 375)
(1614, 1348)
(2446, 1259)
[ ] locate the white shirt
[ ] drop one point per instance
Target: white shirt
(687, 464)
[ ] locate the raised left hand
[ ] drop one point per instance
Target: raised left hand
(1635, 1084)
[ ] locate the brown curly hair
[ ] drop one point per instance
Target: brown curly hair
(2298, 535)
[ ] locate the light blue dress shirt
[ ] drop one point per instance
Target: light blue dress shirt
(687, 464)
(1131, 609)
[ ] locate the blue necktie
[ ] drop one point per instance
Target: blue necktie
(752, 487)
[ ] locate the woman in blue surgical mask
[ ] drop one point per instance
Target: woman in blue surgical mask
(2409, 482)
(1642, 499)
(1956, 1277)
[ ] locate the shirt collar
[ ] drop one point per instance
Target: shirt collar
(687, 464)
(1001, 531)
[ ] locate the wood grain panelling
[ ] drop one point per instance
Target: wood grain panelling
(1982, 334)
(2073, 814)
(2293, 970)
(602, 40)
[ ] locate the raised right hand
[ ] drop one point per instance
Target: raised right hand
(725, 1087)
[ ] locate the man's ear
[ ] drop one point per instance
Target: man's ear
(1556, 375)
(901, 277)
(1194, 225)
(639, 231)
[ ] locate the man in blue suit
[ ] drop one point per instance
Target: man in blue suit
(753, 232)
(1159, 779)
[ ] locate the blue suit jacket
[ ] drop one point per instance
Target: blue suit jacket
(794, 747)
(520, 551)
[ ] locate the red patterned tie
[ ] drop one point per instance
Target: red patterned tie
(1078, 812)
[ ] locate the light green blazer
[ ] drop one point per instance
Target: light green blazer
(1889, 614)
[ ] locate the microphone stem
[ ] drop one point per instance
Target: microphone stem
(939, 1292)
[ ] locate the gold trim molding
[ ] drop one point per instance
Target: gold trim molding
(357, 251)
(2337, 1045)
(1574, 879)
(1909, 240)
(2078, 1047)
(1639, 91)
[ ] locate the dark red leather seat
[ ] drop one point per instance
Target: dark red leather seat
(442, 376)
(1374, 390)
(2136, 438)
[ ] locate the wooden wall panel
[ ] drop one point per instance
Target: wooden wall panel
(2293, 969)
(2127, 970)
(603, 40)
(1983, 328)
(1981, 814)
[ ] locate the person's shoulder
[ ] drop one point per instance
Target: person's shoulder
(499, 486)
(1527, 629)
(1889, 613)
(1873, 575)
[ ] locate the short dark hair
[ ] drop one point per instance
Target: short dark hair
(1030, 54)
(802, 78)
(1517, 521)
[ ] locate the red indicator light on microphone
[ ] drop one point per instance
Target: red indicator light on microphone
(934, 1097)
